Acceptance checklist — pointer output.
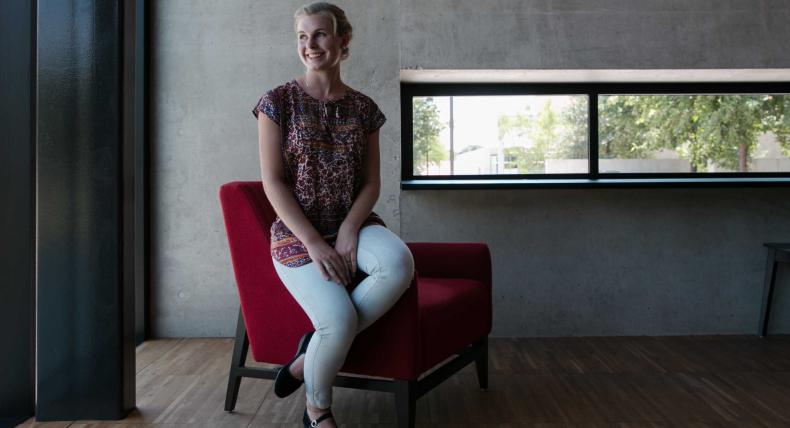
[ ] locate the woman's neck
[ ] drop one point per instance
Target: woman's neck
(323, 84)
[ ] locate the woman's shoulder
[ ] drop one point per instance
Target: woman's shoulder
(359, 95)
(274, 100)
(368, 109)
(280, 90)
(362, 99)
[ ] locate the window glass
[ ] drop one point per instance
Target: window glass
(682, 133)
(500, 134)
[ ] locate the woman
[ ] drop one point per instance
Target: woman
(319, 155)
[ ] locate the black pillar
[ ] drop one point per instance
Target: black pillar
(87, 175)
(17, 226)
(136, 78)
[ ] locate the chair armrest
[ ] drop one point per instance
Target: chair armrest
(452, 260)
(463, 260)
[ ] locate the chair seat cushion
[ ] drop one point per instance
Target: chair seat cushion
(453, 314)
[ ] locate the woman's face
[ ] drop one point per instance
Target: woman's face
(318, 46)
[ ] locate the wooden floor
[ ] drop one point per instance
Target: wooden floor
(701, 381)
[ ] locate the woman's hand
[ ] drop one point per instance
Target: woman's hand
(346, 247)
(329, 262)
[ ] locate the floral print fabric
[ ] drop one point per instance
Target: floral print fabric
(323, 160)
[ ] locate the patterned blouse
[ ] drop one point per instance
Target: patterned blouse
(323, 159)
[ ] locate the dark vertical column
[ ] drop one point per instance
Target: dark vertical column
(85, 306)
(17, 210)
(129, 205)
(141, 182)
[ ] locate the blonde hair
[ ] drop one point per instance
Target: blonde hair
(340, 23)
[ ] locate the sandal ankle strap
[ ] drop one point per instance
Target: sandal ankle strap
(314, 423)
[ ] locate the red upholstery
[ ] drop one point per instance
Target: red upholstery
(446, 308)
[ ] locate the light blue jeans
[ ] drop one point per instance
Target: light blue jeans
(338, 316)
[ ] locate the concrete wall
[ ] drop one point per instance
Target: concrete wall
(584, 34)
(567, 262)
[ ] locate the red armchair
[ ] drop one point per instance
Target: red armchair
(445, 312)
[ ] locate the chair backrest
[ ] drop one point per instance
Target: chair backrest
(271, 315)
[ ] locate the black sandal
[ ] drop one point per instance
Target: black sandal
(284, 383)
(314, 424)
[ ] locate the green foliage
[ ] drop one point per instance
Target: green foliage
(573, 142)
(549, 136)
(517, 124)
(520, 126)
(776, 110)
(706, 130)
(426, 146)
(622, 129)
(545, 133)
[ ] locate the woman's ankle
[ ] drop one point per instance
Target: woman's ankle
(316, 409)
(297, 368)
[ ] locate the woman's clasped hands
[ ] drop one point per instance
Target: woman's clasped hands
(338, 264)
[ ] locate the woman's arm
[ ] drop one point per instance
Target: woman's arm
(348, 235)
(286, 206)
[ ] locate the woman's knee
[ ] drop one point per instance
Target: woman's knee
(340, 321)
(399, 266)
(387, 256)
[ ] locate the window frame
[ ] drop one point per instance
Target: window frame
(593, 178)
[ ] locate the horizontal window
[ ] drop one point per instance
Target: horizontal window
(478, 135)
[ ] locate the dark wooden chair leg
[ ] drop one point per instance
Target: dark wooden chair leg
(768, 292)
(481, 364)
(405, 402)
(240, 347)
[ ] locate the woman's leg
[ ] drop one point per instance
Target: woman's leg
(337, 316)
(334, 317)
(390, 268)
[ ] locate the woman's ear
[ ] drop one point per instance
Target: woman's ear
(344, 47)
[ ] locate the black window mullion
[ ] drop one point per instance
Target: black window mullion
(407, 133)
(592, 127)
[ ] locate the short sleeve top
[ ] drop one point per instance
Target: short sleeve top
(323, 160)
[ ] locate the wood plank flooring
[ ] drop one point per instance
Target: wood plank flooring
(624, 382)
